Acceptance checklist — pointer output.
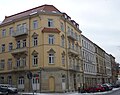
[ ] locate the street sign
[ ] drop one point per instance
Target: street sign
(29, 75)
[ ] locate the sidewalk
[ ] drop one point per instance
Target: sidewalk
(71, 93)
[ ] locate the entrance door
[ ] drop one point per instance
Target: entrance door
(51, 84)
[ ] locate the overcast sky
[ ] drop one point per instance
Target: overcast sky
(99, 20)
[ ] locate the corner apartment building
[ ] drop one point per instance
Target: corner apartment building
(47, 43)
(89, 62)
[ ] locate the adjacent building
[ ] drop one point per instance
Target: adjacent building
(100, 61)
(89, 63)
(108, 70)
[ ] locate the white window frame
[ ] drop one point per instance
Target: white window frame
(51, 58)
(11, 30)
(18, 28)
(35, 60)
(9, 64)
(3, 32)
(2, 66)
(24, 43)
(18, 44)
(35, 24)
(18, 61)
(3, 48)
(50, 23)
(35, 41)
(21, 80)
(51, 39)
(62, 26)
(9, 79)
(10, 46)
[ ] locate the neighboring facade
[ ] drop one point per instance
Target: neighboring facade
(45, 42)
(115, 69)
(100, 61)
(108, 68)
(89, 63)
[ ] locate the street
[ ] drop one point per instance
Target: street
(115, 91)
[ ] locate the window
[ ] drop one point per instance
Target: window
(72, 44)
(9, 64)
(68, 30)
(24, 43)
(3, 32)
(35, 80)
(24, 27)
(35, 60)
(2, 65)
(63, 78)
(77, 47)
(18, 28)
(62, 41)
(9, 80)
(62, 26)
(51, 39)
(63, 59)
(69, 45)
(10, 46)
(11, 31)
(50, 22)
(18, 44)
(35, 41)
(21, 80)
(2, 79)
(35, 24)
(3, 47)
(51, 58)
(18, 62)
(23, 63)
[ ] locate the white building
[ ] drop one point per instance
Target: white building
(89, 64)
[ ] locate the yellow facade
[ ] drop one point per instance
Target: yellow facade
(52, 75)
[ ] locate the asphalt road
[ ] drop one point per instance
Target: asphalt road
(117, 92)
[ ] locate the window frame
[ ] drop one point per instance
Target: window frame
(3, 32)
(35, 60)
(35, 24)
(51, 58)
(3, 48)
(51, 39)
(10, 46)
(50, 23)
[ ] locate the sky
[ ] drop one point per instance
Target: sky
(99, 20)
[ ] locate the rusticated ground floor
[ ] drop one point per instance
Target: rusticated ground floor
(45, 80)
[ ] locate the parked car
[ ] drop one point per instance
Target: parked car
(8, 88)
(90, 89)
(108, 86)
(99, 88)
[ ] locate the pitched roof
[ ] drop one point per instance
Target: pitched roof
(43, 8)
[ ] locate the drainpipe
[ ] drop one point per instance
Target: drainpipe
(66, 56)
(30, 82)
